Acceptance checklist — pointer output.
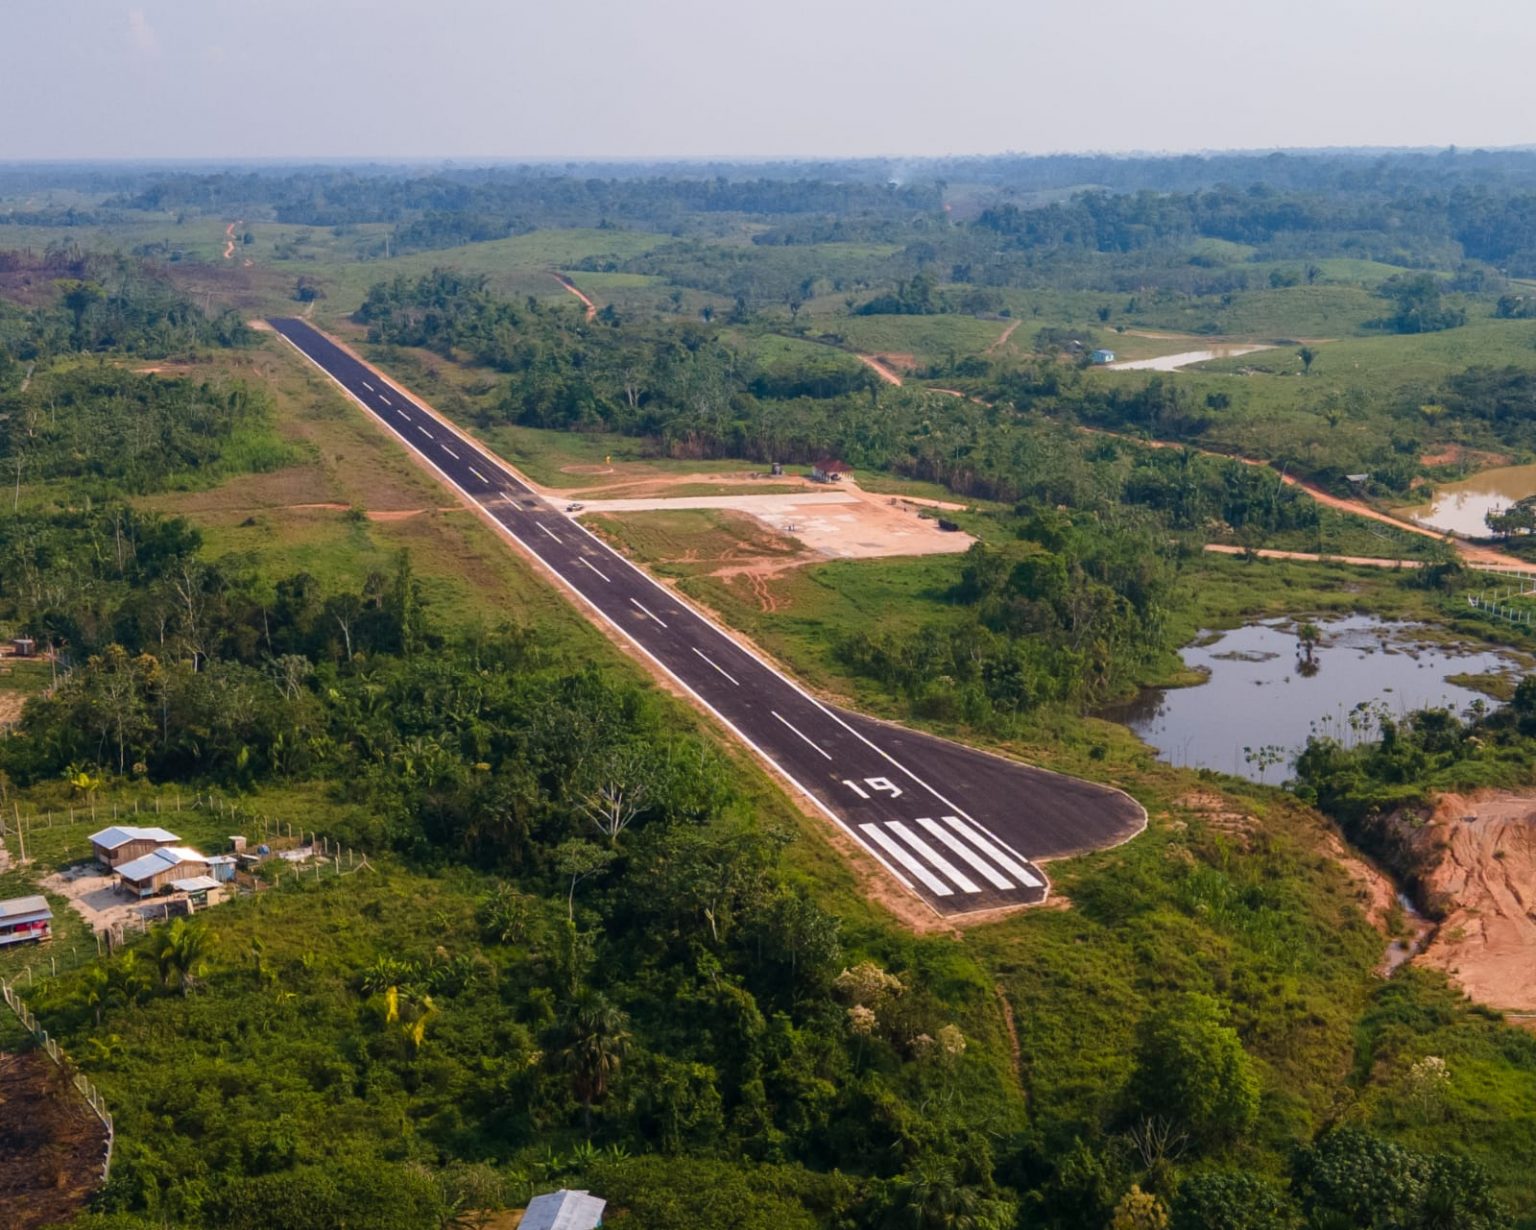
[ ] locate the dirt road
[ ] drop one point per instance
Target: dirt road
(1365, 561)
(571, 286)
(1469, 552)
(229, 239)
(880, 369)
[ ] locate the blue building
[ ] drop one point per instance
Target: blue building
(1099, 357)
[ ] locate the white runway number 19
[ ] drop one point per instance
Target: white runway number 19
(881, 785)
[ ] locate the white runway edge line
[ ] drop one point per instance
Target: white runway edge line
(852, 830)
(807, 738)
(721, 669)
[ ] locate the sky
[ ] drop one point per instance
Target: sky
(573, 79)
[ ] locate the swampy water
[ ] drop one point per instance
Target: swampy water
(1261, 694)
(1460, 508)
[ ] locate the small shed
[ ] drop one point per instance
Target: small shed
(124, 843)
(24, 646)
(25, 918)
(830, 470)
(197, 888)
(157, 869)
(564, 1210)
(1100, 357)
(222, 867)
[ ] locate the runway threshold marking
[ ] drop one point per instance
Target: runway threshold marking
(935, 885)
(807, 738)
(958, 877)
(957, 846)
(1004, 860)
(647, 610)
(716, 665)
(589, 565)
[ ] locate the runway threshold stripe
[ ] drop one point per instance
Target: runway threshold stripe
(962, 881)
(802, 735)
(712, 662)
(877, 835)
(984, 868)
(1004, 859)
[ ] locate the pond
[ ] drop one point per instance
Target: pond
(1261, 693)
(1460, 507)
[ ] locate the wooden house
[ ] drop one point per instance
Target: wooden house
(124, 843)
(147, 875)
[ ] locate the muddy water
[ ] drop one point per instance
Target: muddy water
(1460, 508)
(1403, 949)
(1260, 692)
(1187, 358)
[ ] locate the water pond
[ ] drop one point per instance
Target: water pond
(1262, 693)
(1460, 508)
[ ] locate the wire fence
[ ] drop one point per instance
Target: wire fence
(288, 859)
(78, 1080)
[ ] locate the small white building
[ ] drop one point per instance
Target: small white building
(1100, 357)
(563, 1210)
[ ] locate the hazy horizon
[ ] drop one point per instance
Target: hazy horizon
(682, 80)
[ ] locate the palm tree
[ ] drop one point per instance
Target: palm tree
(596, 1038)
(177, 951)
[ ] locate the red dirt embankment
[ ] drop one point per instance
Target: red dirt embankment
(1484, 883)
(51, 1145)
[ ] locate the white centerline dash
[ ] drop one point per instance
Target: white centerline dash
(479, 475)
(425, 432)
(450, 452)
(385, 400)
(648, 611)
(593, 569)
(549, 531)
(801, 733)
(368, 386)
(715, 665)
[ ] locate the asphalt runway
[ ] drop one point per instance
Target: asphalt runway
(956, 827)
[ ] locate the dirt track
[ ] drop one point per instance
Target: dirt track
(880, 369)
(571, 286)
(51, 1145)
(1487, 877)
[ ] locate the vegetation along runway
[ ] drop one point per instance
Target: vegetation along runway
(957, 827)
